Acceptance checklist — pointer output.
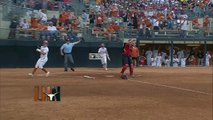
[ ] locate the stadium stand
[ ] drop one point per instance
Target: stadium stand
(146, 21)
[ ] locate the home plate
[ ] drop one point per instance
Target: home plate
(109, 76)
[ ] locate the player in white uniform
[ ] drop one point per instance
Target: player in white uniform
(153, 62)
(180, 55)
(158, 60)
(183, 62)
(42, 60)
(103, 53)
(167, 61)
(163, 57)
(149, 57)
(175, 61)
(208, 56)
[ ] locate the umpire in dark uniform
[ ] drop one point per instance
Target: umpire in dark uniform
(66, 51)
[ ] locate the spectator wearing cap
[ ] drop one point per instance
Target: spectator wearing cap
(13, 26)
(92, 19)
(54, 20)
(84, 17)
(183, 27)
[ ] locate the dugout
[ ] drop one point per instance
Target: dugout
(183, 44)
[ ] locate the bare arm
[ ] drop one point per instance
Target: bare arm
(61, 50)
(41, 52)
(77, 42)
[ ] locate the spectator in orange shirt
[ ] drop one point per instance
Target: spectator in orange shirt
(114, 11)
(135, 55)
(75, 24)
(206, 22)
(195, 23)
(34, 22)
(67, 15)
(99, 20)
(61, 20)
(98, 1)
(110, 30)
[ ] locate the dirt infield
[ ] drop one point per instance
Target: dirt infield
(154, 94)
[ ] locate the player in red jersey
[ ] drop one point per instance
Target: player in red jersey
(126, 58)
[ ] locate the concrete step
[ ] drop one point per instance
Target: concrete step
(52, 13)
(78, 6)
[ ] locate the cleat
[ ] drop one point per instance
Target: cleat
(124, 76)
(47, 74)
(30, 74)
(72, 69)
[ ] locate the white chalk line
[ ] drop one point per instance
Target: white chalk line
(173, 87)
(60, 73)
(53, 73)
(154, 84)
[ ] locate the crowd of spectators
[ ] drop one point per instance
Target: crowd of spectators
(43, 4)
(145, 16)
(108, 17)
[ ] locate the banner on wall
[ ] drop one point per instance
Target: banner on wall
(94, 56)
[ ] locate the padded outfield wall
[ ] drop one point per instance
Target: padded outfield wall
(17, 54)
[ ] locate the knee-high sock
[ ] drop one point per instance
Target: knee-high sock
(131, 67)
(124, 68)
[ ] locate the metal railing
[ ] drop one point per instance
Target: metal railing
(91, 36)
(10, 11)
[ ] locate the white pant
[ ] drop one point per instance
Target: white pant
(40, 63)
(207, 63)
(104, 60)
(158, 64)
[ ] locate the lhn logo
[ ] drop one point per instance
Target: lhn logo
(47, 93)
